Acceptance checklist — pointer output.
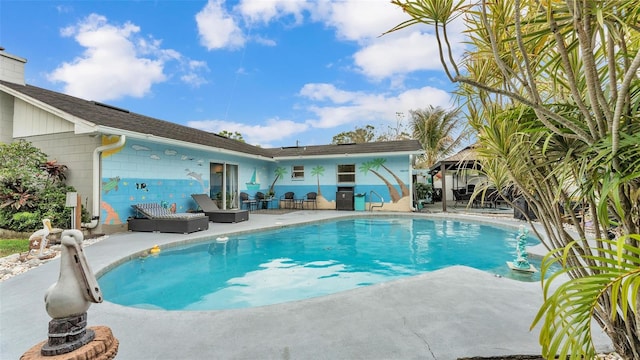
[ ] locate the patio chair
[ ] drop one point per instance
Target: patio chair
(288, 200)
(249, 203)
(461, 195)
(260, 199)
(311, 198)
(216, 214)
(154, 217)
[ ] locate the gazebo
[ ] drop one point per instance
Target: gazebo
(465, 159)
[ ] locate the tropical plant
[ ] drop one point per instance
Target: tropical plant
(31, 188)
(552, 89)
(423, 191)
(232, 135)
(436, 129)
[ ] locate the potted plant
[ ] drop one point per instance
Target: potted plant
(423, 192)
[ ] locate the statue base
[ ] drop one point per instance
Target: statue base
(513, 266)
(103, 347)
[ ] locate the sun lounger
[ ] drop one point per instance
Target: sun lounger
(216, 214)
(153, 217)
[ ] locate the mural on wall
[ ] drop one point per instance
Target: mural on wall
(108, 140)
(111, 184)
(374, 166)
(121, 190)
(279, 171)
(254, 183)
(112, 217)
(321, 202)
(197, 177)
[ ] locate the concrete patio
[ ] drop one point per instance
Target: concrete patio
(447, 314)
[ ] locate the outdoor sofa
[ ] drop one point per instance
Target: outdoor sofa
(153, 217)
(215, 214)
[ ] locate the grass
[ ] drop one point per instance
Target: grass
(13, 246)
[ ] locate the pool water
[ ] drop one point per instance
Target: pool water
(293, 263)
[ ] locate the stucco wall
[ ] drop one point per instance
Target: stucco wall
(148, 172)
(74, 151)
(6, 118)
(320, 176)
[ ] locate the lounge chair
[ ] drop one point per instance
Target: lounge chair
(153, 217)
(216, 214)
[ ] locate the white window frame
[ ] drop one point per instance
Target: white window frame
(342, 174)
(297, 172)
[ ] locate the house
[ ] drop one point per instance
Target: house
(117, 158)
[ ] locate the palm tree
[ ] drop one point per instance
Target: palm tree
(435, 128)
(372, 166)
(379, 162)
(317, 172)
(279, 172)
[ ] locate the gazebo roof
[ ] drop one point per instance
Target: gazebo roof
(466, 158)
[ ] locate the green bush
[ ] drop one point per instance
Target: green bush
(423, 191)
(31, 189)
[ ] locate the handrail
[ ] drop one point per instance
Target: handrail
(371, 205)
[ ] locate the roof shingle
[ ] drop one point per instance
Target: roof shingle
(104, 115)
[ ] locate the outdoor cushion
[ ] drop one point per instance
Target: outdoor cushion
(156, 211)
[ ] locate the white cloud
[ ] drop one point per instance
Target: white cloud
(217, 28)
(110, 67)
(118, 62)
(331, 108)
(390, 56)
(262, 134)
(192, 73)
(266, 11)
(343, 107)
(358, 21)
(327, 92)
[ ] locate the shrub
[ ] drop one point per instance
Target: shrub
(31, 188)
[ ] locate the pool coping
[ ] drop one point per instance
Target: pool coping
(445, 314)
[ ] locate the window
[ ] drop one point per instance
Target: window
(347, 173)
(297, 172)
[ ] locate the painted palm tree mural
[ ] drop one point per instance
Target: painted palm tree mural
(317, 172)
(374, 166)
(279, 171)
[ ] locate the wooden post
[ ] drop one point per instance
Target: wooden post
(444, 186)
(78, 213)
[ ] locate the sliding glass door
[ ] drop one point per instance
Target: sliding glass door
(224, 185)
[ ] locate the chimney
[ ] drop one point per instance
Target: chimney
(11, 67)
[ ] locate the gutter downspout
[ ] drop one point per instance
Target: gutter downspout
(96, 180)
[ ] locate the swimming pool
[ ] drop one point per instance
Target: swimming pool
(298, 262)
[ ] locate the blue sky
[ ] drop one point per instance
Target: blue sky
(280, 72)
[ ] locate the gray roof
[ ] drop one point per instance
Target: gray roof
(404, 146)
(112, 117)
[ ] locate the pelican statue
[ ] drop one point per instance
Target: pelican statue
(77, 286)
(41, 236)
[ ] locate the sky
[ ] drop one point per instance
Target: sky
(279, 72)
